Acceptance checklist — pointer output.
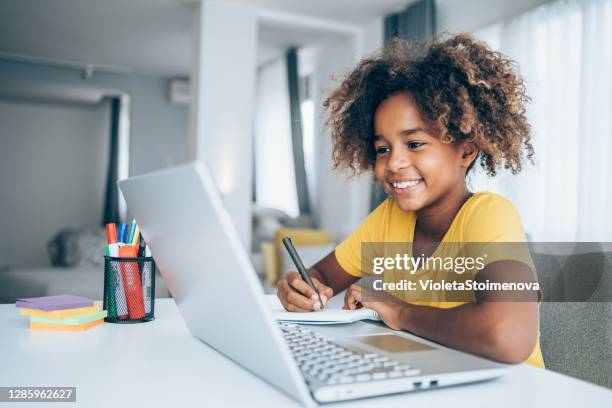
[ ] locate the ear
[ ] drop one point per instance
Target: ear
(469, 152)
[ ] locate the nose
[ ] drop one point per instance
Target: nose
(398, 160)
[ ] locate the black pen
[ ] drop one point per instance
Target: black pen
(300, 266)
(142, 246)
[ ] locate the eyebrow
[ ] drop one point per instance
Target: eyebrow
(405, 132)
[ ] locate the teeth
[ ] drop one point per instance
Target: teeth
(405, 184)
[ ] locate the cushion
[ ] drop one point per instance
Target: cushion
(576, 314)
(78, 248)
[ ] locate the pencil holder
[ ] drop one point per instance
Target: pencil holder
(129, 289)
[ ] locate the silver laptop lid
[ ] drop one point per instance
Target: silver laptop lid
(205, 266)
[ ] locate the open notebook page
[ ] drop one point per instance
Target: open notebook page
(331, 314)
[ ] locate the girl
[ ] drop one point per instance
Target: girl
(421, 118)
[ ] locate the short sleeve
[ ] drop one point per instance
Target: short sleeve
(494, 219)
(348, 252)
(495, 223)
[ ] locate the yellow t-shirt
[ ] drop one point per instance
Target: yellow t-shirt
(485, 217)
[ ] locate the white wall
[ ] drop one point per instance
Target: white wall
(158, 129)
(53, 165)
(225, 38)
(342, 201)
(337, 195)
(158, 138)
(223, 77)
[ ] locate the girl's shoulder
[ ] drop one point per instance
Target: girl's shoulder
(487, 200)
(491, 217)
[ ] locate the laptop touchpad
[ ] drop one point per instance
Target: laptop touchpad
(392, 343)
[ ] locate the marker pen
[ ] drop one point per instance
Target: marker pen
(112, 249)
(135, 236)
(132, 283)
(145, 271)
(141, 247)
(130, 237)
(123, 232)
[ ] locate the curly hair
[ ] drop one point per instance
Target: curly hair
(464, 91)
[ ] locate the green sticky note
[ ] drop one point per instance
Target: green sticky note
(71, 321)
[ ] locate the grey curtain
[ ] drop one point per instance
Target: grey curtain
(296, 132)
(416, 23)
(111, 201)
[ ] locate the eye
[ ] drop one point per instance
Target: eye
(415, 145)
(382, 150)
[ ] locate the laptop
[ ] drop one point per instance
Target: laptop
(214, 284)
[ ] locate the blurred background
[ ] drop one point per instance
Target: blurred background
(92, 92)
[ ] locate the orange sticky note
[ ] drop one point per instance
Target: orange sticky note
(63, 327)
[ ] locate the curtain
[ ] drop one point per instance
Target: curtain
(296, 131)
(564, 53)
(416, 23)
(275, 179)
(111, 201)
(115, 209)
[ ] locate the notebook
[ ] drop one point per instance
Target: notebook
(331, 314)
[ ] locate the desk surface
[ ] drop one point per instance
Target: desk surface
(160, 364)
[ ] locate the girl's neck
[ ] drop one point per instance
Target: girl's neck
(433, 221)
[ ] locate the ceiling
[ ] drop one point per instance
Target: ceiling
(148, 36)
(348, 11)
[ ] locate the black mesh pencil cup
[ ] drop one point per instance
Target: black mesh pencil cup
(129, 289)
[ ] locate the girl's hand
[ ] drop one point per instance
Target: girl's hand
(388, 308)
(297, 296)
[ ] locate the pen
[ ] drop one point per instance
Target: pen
(135, 236)
(117, 306)
(123, 231)
(145, 272)
(141, 246)
(130, 237)
(300, 266)
(132, 284)
(112, 249)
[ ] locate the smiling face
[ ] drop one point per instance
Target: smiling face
(416, 168)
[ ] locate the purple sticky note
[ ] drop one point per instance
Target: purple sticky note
(57, 302)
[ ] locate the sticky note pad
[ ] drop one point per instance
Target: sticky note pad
(71, 321)
(62, 327)
(60, 314)
(55, 302)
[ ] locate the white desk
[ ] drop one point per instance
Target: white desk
(160, 364)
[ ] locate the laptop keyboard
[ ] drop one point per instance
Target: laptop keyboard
(319, 357)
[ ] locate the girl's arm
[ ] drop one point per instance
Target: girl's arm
(328, 277)
(329, 272)
(502, 331)
(505, 331)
